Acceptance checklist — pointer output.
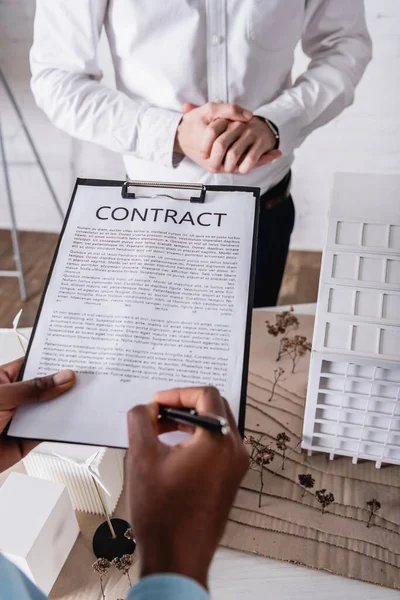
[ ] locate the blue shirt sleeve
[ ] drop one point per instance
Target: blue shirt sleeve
(14, 585)
(167, 587)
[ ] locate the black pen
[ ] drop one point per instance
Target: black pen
(190, 416)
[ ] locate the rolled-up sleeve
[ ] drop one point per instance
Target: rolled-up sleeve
(66, 84)
(14, 585)
(337, 41)
(167, 587)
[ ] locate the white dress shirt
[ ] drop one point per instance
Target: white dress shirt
(169, 52)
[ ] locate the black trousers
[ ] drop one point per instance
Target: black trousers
(275, 228)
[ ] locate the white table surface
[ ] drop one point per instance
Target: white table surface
(249, 577)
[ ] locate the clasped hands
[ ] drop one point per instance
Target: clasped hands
(225, 138)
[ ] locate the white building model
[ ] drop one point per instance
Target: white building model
(353, 398)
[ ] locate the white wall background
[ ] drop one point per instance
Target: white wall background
(364, 139)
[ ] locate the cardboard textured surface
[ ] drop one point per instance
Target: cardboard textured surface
(290, 527)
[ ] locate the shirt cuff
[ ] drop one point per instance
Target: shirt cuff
(167, 587)
(156, 135)
(288, 117)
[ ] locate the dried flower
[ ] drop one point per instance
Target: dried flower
(123, 564)
(324, 498)
(283, 461)
(281, 443)
(277, 375)
(101, 566)
(307, 481)
(129, 535)
(373, 506)
(295, 348)
(264, 456)
(261, 455)
(283, 321)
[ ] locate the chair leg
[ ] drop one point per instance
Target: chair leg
(14, 233)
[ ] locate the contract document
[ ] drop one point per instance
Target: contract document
(150, 288)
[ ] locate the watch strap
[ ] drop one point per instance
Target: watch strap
(275, 132)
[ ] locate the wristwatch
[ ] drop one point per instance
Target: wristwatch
(275, 132)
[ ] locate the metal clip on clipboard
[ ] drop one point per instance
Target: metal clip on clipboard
(125, 193)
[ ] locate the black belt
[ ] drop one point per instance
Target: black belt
(277, 194)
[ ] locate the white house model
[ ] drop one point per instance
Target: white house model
(38, 528)
(353, 398)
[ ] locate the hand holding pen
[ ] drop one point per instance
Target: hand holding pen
(180, 496)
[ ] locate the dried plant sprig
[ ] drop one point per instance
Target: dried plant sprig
(284, 322)
(324, 498)
(295, 347)
(287, 456)
(373, 506)
(129, 535)
(261, 455)
(307, 481)
(282, 440)
(101, 566)
(123, 564)
(277, 376)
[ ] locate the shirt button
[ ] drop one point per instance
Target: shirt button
(217, 39)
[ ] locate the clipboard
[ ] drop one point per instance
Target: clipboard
(132, 190)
